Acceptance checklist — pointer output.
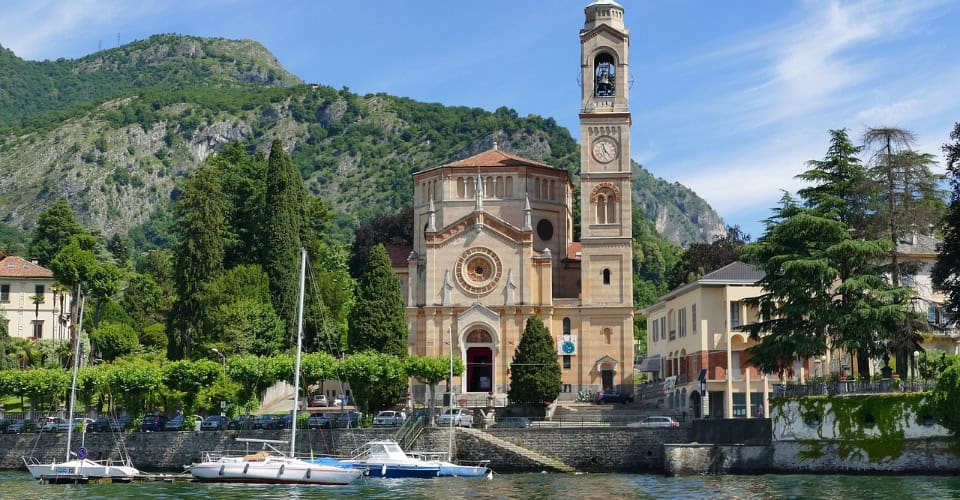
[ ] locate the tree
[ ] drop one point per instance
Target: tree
(840, 184)
(73, 267)
(117, 247)
(386, 229)
(535, 371)
(199, 256)
(189, 377)
(378, 319)
(944, 400)
(703, 258)
(284, 205)
(114, 340)
(946, 272)
(378, 379)
(55, 226)
(431, 371)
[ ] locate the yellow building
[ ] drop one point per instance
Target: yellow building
(29, 303)
(494, 244)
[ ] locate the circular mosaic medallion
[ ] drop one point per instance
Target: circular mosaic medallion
(478, 270)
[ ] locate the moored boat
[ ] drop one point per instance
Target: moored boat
(385, 459)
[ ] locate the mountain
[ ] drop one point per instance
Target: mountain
(114, 132)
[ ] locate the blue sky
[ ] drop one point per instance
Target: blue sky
(728, 98)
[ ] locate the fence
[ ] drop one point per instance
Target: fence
(852, 387)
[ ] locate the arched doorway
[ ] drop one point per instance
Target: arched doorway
(695, 403)
(479, 361)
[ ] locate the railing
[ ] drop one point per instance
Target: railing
(852, 387)
(584, 421)
(409, 431)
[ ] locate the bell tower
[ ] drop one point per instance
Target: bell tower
(605, 176)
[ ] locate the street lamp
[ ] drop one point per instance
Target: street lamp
(223, 359)
(916, 364)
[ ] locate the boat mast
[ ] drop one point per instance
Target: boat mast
(450, 398)
(296, 371)
(76, 368)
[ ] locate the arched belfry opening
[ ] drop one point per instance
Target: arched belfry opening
(604, 76)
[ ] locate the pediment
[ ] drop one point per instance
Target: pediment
(606, 361)
(606, 30)
(478, 313)
(469, 222)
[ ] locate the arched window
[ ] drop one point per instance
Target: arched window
(553, 190)
(611, 210)
(536, 189)
(471, 187)
(606, 276)
(604, 76)
(566, 326)
(461, 188)
(509, 188)
(607, 333)
(605, 200)
(499, 184)
(488, 190)
(479, 336)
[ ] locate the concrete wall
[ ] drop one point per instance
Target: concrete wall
(922, 456)
(691, 459)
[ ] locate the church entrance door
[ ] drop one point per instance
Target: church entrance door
(606, 378)
(479, 369)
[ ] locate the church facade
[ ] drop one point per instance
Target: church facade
(494, 244)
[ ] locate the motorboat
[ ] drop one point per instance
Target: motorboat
(386, 459)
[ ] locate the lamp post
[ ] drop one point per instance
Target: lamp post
(916, 364)
(223, 359)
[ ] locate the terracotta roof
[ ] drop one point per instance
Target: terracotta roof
(398, 254)
(18, 267)
(496, 158)
(574, 251)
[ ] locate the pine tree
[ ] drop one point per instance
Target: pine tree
(54, 228)
(378, 319)
(946, 272)
(199, 256)
(284, 207)
(840, 183)
(535, 371)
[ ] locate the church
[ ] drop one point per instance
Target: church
(494, 244)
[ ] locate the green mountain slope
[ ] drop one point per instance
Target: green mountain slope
(118, 160)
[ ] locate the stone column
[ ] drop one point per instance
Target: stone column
(766, 396)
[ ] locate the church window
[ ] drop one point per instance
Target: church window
(536, 189)
(461, 188)
(605, 76)
(607, 334)
(545, 230)
(488, 190)
(508, 189)
(566, 362)
(553, 190)
(499, 185)
(606, 276)
(471, 187)
(479, 336)
(566, 326)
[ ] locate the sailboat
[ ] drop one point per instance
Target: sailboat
(270, 465)
(77, 467)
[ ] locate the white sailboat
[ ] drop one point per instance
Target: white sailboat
(77, 467)
(271, 466)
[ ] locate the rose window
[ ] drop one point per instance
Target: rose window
(478, 270)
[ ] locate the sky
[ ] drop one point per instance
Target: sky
(728, 98)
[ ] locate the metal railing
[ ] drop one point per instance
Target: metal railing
(852, 387)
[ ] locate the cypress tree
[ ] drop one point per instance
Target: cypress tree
(378, 320)
(284, 207)
(535, 371)
(199, 256)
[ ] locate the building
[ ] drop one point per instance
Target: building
(30, 304)
(917, 255)
(495, 245)
(694, 341)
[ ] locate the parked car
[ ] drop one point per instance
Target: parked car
(614, 397)
(389, 417)
(319, 400)
(177, 423)
(120, 424)
(319, 420)
(342, 400)
(52, 424)
(349, 419)
(22, 425)
(460, 417)
(79, 424)
(658, 422)
(241, 422)
(267, 421)
(4, 423)
(153, 423)
(101, 424)
(512, 422)
(215, 423)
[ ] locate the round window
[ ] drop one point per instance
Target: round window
(545, 230)
(478, 270)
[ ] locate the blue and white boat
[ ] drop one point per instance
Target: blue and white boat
(386, 459)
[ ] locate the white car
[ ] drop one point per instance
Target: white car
(389, 417)
(319, 400)
(658, 422)
(460, 417)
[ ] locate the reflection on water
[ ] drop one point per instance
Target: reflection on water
(19, 485)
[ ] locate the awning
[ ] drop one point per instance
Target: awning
(650, 364)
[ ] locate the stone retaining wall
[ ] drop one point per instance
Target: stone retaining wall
(693, 459)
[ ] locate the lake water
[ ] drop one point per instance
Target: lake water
(17, 485)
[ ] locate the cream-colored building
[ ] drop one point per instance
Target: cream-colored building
(695, 330)
(494, 244)
(29, 303)
(917, 255)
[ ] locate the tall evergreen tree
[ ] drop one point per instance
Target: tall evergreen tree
(378, 319)
(55, 226)
(535, 371)
(199, 256)
(244, 180)
(946, 272)
(840, 184)
(284, 206)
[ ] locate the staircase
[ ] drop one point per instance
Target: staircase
(542, 460)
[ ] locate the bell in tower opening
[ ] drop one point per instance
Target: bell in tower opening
(605, 76)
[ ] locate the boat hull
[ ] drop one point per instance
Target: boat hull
(401, 470)
(81, 470)
(272, 472)
(454, 470)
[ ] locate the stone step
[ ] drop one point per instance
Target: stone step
(531, 455)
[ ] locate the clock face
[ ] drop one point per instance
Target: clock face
(604, 150)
